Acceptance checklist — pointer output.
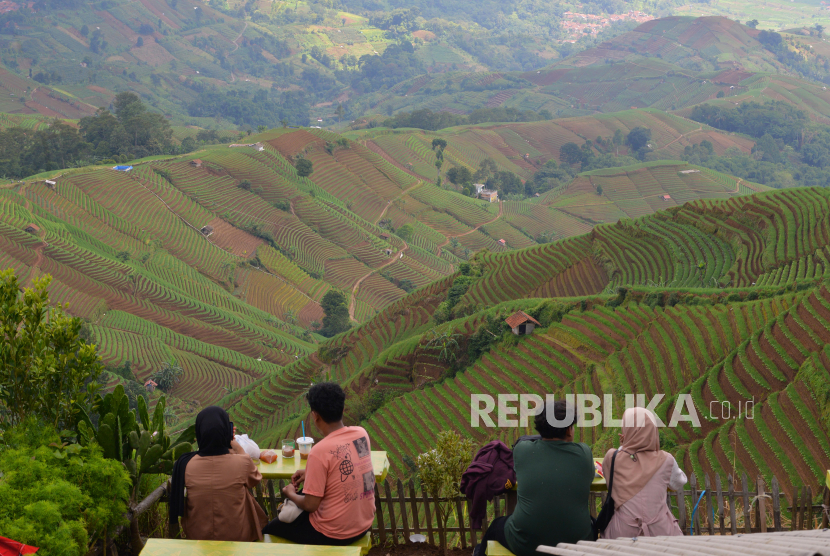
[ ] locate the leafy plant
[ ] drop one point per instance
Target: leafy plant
(440, 472)
(57, 496)
(46, 369)
(167, 377)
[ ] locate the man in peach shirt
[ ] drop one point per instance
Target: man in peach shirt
(338, 494)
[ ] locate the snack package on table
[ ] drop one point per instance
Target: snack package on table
(268, 456)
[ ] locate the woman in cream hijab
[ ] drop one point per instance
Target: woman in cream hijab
(642, 473)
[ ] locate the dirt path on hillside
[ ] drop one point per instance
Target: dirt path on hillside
(501, 211)
(395, 198)
(236, 47)
(398, 256)
(680, 137)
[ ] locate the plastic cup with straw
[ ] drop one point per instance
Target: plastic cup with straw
(305, 443)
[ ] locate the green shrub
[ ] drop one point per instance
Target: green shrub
(59, 497)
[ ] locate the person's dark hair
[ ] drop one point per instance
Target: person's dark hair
(560, 409)
(327, 399)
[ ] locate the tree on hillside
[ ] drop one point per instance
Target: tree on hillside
(167, 376)
(46, 369)
(618, 140)
(304, 167)
(460, 175)
(638, 138)
(752, 24)
(405, 232)
(336, 319)
(570, 154)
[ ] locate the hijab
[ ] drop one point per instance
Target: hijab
(214, 433)
(639, 457)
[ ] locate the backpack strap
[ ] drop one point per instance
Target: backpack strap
(611, 476)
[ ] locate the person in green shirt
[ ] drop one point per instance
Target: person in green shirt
(554, 476)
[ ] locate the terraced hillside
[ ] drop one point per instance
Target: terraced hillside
(524, 147)
(726, 300)
(234, 249)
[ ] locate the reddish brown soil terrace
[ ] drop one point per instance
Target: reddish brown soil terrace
(239, 242)
(293, 143)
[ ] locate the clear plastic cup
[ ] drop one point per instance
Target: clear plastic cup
(288, 448)
(304, 444)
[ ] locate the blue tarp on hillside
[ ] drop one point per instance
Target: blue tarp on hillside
(122, 168)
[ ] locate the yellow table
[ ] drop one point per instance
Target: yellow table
(179, 547)
(283, 468)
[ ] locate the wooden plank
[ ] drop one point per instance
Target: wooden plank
(459, 511)
(747, 513)
(696, 517)
(808, 504)
(721, 517)
(379, 516)
(709, 508)
(428, 515)
(825, 514)
(762, 504)
(794, 510)
(497, 506)
(414, 507)
(404, 518)
(473, 531)
(272, 499)
(393, 528)
(776, 505)
(681, 510)
(731, 498)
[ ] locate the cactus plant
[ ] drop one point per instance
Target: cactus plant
(140, 443)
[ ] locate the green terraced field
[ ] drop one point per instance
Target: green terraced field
(751, 322)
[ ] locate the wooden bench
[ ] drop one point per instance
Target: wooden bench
(183, 547)
(495, 548)
(364, 543)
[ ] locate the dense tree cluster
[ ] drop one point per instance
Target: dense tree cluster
(260, 109)
(130, 132)
(336, 319)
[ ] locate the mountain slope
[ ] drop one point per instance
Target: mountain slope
(230, 247)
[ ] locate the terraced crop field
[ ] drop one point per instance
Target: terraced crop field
(725, 300)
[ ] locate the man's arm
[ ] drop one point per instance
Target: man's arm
(305, 502)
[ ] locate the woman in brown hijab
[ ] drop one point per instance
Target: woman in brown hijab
(219, 505)
(642, 473)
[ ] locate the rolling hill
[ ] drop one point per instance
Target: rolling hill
(726, 300)
(669, 64)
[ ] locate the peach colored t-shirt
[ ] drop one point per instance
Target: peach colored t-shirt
(339, 470)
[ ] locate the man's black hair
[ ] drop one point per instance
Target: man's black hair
(560, 409)
(327, 399)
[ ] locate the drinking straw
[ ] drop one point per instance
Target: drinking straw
(303, 424)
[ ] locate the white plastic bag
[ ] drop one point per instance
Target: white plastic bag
(248, 445)
(288, 512)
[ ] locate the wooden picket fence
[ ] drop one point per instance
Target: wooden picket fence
(710, 508)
